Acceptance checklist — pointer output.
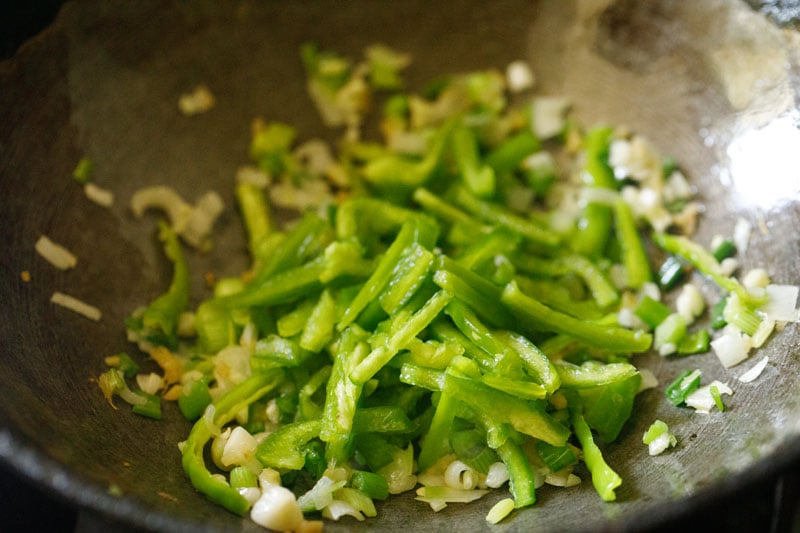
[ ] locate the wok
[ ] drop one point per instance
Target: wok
(713, 83)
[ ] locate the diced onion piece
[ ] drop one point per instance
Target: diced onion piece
(548, 115)
(337, 509)
(702, 400)
(449, 494)
(460, 476)
(598, 195)
(199, 100)
(756, 277)
(398, 473)
(730, 347)
(519, 76)
(765, 329)
(73, 304)
(754, 371)
(320, 495)
(252, 175)
(661, 443)
(150, 383)
(201, 219)
(781, 303)
(562, 478)
(741, 234)
(98, 195)
(277, 509)
(690, 303)
(648, 381)
(55, 254)
(251, 494)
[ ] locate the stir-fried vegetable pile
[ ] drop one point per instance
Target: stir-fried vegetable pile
(453, 308)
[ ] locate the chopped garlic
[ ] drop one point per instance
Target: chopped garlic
(277, 509)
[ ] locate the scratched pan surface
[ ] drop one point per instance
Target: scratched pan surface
(712, 83)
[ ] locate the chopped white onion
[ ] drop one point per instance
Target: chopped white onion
(98, 195)
(661, 443)
(754, 371)
(251, 494)
(781, 303)
(702, 400)
(741, 234)
(460, 476)
(756, 277)
(55, 254)
(690, 303)
(649, 380)
(150, 383)
(198, 100)
(277, 509)
(73, 304)
(548, 115)
(730, 347)
(239, 448)
(252, 175)
(497, 476)
(337, 509)
(519, 76)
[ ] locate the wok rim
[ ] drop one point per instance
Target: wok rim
(53, 478)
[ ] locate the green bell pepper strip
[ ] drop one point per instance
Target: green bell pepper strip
(410, 273)
(382, 354)
(475, 290)
(414, 230)
(594, 224)
(604, 478)
(445, 211)
(319, 328)
(478, 178)
(613, 338)
(601, 288)
(225, 409)
(706, 263)
(634, 258)
(284, 287)
(527, 417)
(342, 395)
(382, 419)
(255, 214)
(304, 240)
(507, 156)
(592, 373)
(283, 448)
(162, 313)
(396, 170)
(521, 479)
(436, 442)
(498, 215)
(608, 407)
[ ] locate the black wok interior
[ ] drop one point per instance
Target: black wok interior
(103, 81)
